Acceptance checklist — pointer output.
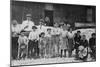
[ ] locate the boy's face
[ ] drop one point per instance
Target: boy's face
(42, 35)
(49, 31)
(34, 29)
(93, 36)
(22, 35)
(78, 33)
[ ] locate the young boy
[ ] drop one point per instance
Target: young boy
(33, 48)
(23, 42)
(42, 45)
(49, 46)
(56, 39)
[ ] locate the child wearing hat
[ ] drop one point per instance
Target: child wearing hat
(22, 49)
(33, 48)
(42, 45)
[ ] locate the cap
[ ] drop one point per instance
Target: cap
(34, 27)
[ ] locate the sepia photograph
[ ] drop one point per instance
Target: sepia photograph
(51, 33)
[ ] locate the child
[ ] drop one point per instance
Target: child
(49, 44)
(42, 45)
(70, 41)
(33, 48)
(23, 42)
(63, 42)
(56, 39)
(77, 38)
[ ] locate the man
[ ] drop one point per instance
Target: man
(92, 45)
(27, 24)
(15, 30)
(33, 48)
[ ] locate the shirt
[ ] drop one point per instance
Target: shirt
(27, 25)
(16, 29)
(64, 33)
(34, 35)
(41, 29)
(22, 40)
(70, 35)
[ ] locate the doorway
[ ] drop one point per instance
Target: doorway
(49, 14)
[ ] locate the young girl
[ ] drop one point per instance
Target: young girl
(23, 42)
(63, 42)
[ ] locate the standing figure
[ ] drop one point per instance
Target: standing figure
(56, 39)
(23, 47)
(63, 42)
(33, 48)
(92, 45)
(27, 24)
(15, 31)
(77, 39)
(49, 44)
(47, 21)
(70, 42)
(42, 45)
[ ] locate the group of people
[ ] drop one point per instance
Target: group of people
(41, 41)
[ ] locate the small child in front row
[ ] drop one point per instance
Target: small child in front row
(42, 45)
(22, 49)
